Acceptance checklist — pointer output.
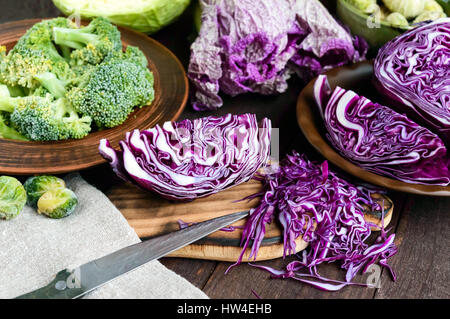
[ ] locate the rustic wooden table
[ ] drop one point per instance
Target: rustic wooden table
(421, 224)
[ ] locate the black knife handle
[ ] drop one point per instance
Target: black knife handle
(66, 285)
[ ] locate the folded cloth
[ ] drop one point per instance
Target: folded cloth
(33, 248)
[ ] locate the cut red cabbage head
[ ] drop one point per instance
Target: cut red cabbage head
(311, 202)
(413, 72)
(255, 45)
(192, 158)
(379, 139)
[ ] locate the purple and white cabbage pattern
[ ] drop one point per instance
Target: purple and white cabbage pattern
(413, 72)
(255, 46)
(192, 158)
(379, 139)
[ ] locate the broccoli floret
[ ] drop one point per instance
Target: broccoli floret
(18, 68)
(2, 63)
(55, 86)
(16, 91)
(110, 91)
(92, 43)
(131, 54)
(39, 91)
(45, 119)
(33, 55)
(8, 132)
(40, 117)
(40, 36)
(134, 54)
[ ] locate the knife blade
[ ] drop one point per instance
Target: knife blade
(74, 283)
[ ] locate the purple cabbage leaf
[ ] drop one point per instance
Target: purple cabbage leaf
(379, 139)
(412, 72)
(255, 46)
(192, 158)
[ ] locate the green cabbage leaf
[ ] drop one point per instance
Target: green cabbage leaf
(147, 16)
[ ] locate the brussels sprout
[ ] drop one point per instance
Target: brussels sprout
(384, 12)
(429, 16)
(57, 203)
(36, 186)
(408, 8)
(362, 4)
(445, 4)
(12, 197)
(433, 6)
(397, 19)
(373, 9)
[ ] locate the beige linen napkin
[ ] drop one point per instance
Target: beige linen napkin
(33, 248)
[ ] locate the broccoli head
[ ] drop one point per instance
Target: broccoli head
(52, 84)
(44, 118)
(134, 54)
(6, 131)
(33, 55)
(92, 43)
(40, 36)
(21, 67)
(2, 62)
(109, 92)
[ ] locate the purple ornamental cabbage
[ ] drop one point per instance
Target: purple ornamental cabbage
(255, 46)
(379, 139)
(192, 158)
(413, 72)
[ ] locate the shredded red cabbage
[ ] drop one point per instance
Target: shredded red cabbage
(328, 212)
(256, 295)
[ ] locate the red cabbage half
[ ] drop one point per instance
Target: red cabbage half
(255, 45)
(379, 139)
(192, 158)
(413, 72)
(311, 202)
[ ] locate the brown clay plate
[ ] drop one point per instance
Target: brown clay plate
(356, 77)
(171, 92)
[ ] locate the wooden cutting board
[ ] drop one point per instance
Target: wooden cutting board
(152, 216)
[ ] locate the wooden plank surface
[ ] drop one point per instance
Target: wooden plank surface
(421, 224)
(423, 260)
(150, 216)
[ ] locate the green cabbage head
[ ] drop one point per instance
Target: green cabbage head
(142, 15)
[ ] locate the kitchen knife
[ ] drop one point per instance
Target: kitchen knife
(70, 284)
